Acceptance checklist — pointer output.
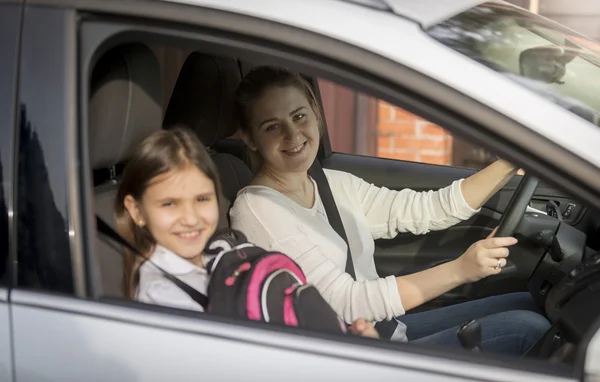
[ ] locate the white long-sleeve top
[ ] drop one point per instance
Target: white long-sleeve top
(273, 221)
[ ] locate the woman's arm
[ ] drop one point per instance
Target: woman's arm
(420, 287)
(479, 187)
(479, 261)
(389, 212)
(269, 224)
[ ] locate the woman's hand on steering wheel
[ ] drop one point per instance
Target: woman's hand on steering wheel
(484, 258)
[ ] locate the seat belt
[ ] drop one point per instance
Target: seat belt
(333, 215)
(105, 229)
(385, 328)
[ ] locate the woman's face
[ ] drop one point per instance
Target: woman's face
(180, 210)
(285, 130)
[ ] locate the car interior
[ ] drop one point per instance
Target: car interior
(130, 99)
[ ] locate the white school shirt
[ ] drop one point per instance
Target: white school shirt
(275, 222)
(155, 288)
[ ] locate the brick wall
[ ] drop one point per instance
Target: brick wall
(404, 136)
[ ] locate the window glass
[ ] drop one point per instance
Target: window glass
(45, 107)
(538, 54)
(363, 125)
(9, 27)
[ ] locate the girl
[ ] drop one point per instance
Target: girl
(167, 206)
(281, 123)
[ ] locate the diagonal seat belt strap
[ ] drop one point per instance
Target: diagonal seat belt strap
(385, 328)
(317, 173)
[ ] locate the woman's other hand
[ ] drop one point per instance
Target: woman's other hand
(363, 328)
(484, 258)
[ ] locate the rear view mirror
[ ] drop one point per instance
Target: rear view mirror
(546, 63)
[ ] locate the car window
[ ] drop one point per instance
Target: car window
(377, 128)
(536, 53)
(9, 27)
(45, 113)
(364, 125)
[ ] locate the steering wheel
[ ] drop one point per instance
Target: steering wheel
(517, 206)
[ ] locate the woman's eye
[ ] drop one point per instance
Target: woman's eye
(298, 117)
(202, 199)
(272, 127)
(168, 204)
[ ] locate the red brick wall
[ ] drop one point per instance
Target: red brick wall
(404, 136)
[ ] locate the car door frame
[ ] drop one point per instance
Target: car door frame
(10, 20)
(188, 18)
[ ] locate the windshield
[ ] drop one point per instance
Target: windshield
(552, 61)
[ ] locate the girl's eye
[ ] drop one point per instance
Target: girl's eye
(203, 199)
(168, 204)
(298, 117)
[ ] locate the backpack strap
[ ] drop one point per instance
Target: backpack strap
(105, 229)
(385, 328)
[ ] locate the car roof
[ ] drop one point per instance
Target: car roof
(424, 12)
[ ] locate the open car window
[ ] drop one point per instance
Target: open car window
(551, 60)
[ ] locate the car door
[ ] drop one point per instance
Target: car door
(10, 21)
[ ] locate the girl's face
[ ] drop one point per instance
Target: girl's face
(285, 129)
(180, 210)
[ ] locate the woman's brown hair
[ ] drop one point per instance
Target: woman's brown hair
(256, 82)
(163, 151)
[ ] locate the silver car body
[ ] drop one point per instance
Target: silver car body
(58, 338)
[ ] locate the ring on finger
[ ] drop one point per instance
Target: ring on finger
(499, 265)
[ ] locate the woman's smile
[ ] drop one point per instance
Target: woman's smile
(296, 149)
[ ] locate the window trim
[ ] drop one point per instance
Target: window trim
(11, 170)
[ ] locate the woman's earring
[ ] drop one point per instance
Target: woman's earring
(252, 148)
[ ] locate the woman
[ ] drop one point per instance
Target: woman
(281, 123)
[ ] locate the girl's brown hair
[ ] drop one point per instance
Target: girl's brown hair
(163, 151)
(254, 85)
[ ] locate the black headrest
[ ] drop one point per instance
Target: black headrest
(125, 103)
(203, 97)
